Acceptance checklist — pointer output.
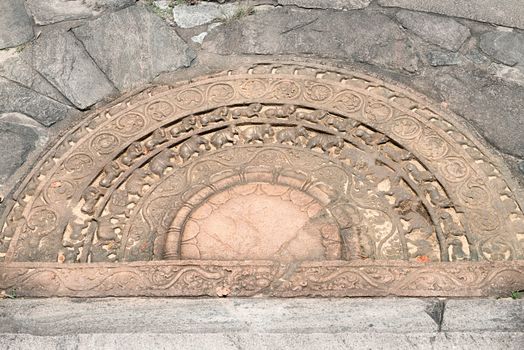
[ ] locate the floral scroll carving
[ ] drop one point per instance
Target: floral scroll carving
(395, 183)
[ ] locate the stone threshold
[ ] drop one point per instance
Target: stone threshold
(239, 323)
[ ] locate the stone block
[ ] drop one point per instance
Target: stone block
(491, 105)
(444, 32)
(14, 68)
(504, 12)
(188, 16)
(62, 59)
(511, 74)
(53, 11)
(15, 25)
(133, 46)
(250, 324)
(505, 47)
(19, 136)
(496, 315)
(263, 341)
(17, 98)
(358, 36)
(47, 317)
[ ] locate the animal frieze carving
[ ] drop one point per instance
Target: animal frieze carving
(282, 165)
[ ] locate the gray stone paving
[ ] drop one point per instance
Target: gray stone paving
(188, 16)
(16, 69)
(15, 24)
(362, 36)
(262, 323)
(444, 32)
(505, 47)
(53, 11)
(133, 46)
(15, 97)
(328, 4)
(22, 135)
(504, 12)
(256, 341)
(62, 59)
(501, 315)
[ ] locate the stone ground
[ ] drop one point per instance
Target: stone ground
(59, 60)
(262, 324)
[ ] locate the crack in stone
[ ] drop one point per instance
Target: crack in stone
(35, 74)
(436, 312)
(94, 61)
(42, 95)
(302, 25)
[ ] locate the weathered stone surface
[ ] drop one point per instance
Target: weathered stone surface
(15, 24)
(199, 39)
(471, 94)
(327, 4)
(133, 45)
(444, 32)
(485, 340)
(61, 58)
(19, 135)
(263, 341)
(17, 98)
(511, 74)
(14, 68)
(505, 47)
(53, 316)
(498, 315)
(504, 12)
(52, 11)
(357, 36)
(244, 324)
(439, 58)
(477, 57)
(188, 16)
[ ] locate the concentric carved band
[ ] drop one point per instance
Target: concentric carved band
(401, 180)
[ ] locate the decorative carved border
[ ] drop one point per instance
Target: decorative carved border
(428, 133)
(262, 278)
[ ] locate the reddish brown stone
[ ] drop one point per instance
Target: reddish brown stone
(281, 180)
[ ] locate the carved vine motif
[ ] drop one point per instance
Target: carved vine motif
(263, 278)
(400, 179)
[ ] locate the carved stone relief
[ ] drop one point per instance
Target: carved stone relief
(276, 179)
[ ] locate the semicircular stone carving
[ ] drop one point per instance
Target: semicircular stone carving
(277, 179)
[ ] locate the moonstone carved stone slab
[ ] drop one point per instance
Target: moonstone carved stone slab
(273, 179)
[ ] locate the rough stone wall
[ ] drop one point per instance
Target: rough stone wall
(60, 59)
